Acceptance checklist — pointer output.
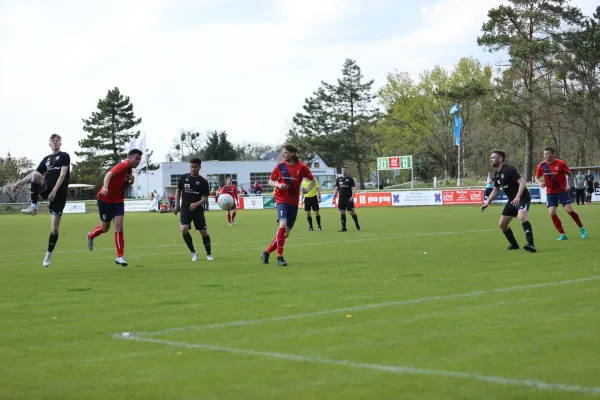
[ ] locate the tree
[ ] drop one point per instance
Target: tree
(527, 30)
(338, 121)
(13, 169)
(218, 147)
(187, 145)
(252, 152)
(355, 116)
(108, 132)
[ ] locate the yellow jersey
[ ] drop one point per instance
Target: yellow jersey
(313, 191)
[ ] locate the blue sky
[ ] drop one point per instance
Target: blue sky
(244, 66)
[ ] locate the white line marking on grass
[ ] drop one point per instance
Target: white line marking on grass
(258, 321)
(358, 239)
(398, 369)
(266, 240)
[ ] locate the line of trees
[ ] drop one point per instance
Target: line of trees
(547, 93)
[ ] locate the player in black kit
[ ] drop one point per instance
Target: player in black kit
(50, 180)
(519, 200)
(192, 191)
(345, 186)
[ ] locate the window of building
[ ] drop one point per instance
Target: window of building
(316, 164)
(216, 181)
(175, 179)
(262, 178)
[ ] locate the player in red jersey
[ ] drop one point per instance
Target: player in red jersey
(111, 202)
(231, 190)
(287, 178)
(555, 173)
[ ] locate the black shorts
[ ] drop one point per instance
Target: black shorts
(108, 211)
(512, 211)
(197, 217)
(488, 191)
(57, 205)
(345, 204)
(311, 203)
(590, 189)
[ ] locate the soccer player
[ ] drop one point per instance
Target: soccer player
(286, 178)
(519, 200)
(192, 193)
(231, 190)
(50, 180)
(111, 202)
(555, 172)
(345, 186)
(311, 202)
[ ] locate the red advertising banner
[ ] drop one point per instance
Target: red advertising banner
(462, 197)
(373, 199)
(394, 163)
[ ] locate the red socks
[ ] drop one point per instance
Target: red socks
(272, 246)
(233, 215)
(558, 224)
(280, 241)
(120, 244)
(575, 217)
(229, 217)
(96, 232)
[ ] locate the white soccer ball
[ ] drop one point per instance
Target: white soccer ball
(225, 201)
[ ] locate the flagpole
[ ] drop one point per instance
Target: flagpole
(458, 168)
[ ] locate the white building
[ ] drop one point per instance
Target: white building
(243, 174)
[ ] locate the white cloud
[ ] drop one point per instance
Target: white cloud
(247, 78)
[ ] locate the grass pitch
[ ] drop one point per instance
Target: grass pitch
(356, 315)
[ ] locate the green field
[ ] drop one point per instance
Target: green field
(465, 320)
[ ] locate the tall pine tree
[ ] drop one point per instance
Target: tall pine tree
(528, 31)
(109, 132)
(338, 120)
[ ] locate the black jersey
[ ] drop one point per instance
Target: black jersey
(51, 166)
(192, 190)
(345, 185)
(507, 179)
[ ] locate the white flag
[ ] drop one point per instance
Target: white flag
(132, 144)
(142, 148)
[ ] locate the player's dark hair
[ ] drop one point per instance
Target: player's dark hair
(55, 136)
(292, 149)
(500, 153)
(134, 151)
(196, 160)
(550, 149)
(344, 167)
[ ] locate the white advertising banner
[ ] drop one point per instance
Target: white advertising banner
(212, 204)
(74, 208)
(253, 203)
(417, 198)
(137, 205)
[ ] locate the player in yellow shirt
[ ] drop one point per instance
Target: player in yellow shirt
(311, 202)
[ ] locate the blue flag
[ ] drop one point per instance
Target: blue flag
(457, 123)
(454, 109)
(457, 126)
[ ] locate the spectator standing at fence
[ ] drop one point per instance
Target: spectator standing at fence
(580, 187)
(489, 184)
(589, 184)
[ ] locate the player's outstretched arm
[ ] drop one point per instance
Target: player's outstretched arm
(335, 192)
(491, 198)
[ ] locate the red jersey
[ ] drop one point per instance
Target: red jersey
(292, 176)
(230, 190)
(116, 185)
(555, 175)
